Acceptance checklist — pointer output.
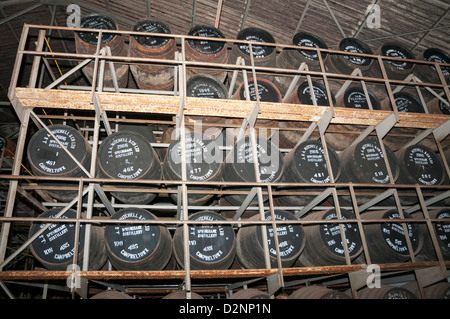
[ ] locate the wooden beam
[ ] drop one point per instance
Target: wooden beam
(205, 274)
(157, 104)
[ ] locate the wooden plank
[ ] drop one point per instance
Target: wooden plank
(205, 274)
(144, 103)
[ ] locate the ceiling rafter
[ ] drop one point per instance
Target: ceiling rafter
(334, 18)
(433, 27)
(302, 17)
(244, 14)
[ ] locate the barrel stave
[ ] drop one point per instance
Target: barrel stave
(86, 43)
(206, 51)
(153, 76)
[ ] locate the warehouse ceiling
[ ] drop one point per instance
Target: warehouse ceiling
(417, 24)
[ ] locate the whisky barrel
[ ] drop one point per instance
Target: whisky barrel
(250, 293)
(290, 133)
(133, 246)
(395, 69)
(209, 132)
(211, 246)
(306, 163)
(267, 91)
(364, 162)
(128, 155)
(263, 55)
(385, 292)
(324, 241)
(55, 247)
(181, 294)
(302, 94)
(47, 158)
(386, 241)
(437, 106)
(405, 102)
(206, 86)
(420, 165)
(144, 129)
(111, 294)
(250, 247)
(7, 147)
(239, 166)
(86, 43)
(340, 136)
(440, 290)
(203, 163)
(346, 63)
(440, 229)
(318, 292)
(427, 72)
(354, 97)
(153, 76)
(206, 51)
(290, 58)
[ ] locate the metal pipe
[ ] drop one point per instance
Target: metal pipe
(218, 13)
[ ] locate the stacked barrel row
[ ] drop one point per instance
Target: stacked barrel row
(128, 155)
(312, 240)
(159, 74)
(440, 290)
(156, 75)
(410, 290)
(136, 239)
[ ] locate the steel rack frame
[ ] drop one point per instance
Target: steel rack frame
(97, 101)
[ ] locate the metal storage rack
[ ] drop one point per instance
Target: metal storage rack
(93, 104)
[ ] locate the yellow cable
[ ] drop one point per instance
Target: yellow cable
(57, 65)
(48, 119)
(56, 62)
(20, 163)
